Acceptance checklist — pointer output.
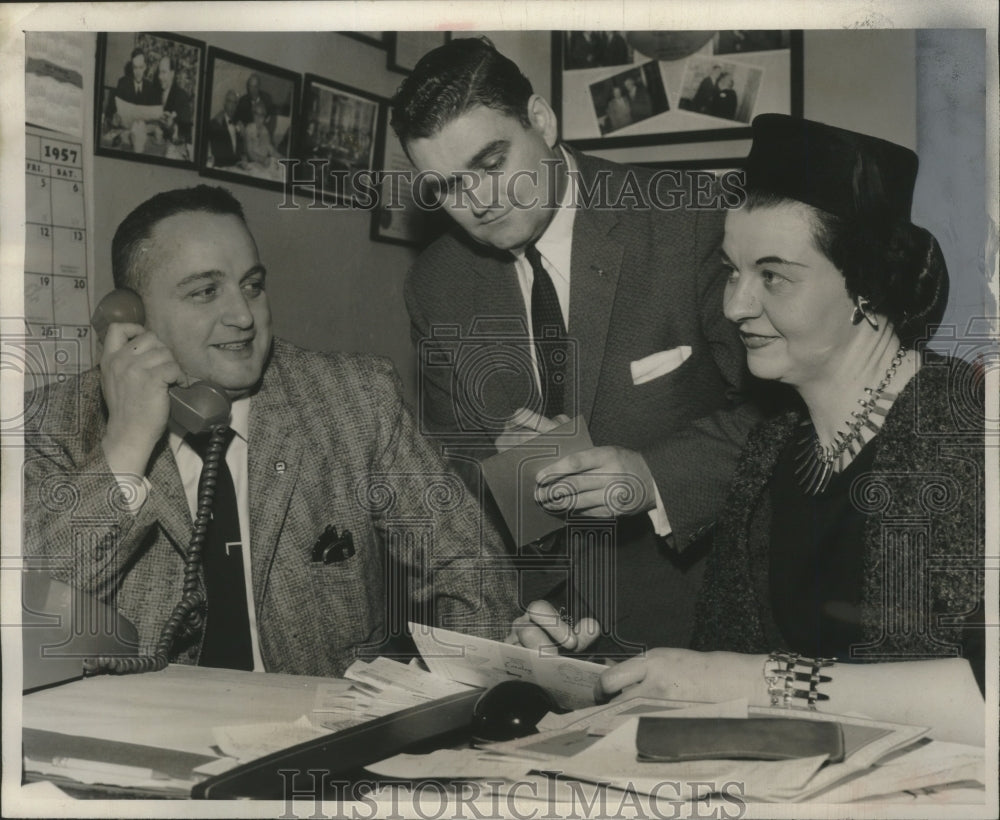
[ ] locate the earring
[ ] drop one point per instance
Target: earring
(863, 310)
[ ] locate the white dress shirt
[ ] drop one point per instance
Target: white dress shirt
(555, 246)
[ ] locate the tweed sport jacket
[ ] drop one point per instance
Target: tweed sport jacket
(924, 531)
(330, 444)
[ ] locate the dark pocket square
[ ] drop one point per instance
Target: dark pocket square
(333, 547)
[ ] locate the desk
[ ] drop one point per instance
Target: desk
(172, 709)
(176, 709)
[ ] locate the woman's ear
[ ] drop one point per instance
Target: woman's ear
(543, 119)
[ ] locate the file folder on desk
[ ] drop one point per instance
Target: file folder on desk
(341, 756)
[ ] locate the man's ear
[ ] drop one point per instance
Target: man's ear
(543, 119)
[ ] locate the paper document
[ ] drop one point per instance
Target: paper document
(130, 112)
(579, 730)
(451, 764)
(481, 662)
(247, 743)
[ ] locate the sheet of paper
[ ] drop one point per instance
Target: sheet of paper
(576, 735)
(257, 740)
(923, 767)
(481, 662)
(373, 689)
(510, 476)
(383, 672)
(610, 719)
(450, 763)
(131, 112)
(865, 743)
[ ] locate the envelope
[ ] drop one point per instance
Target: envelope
(510, 475)
(659, 364)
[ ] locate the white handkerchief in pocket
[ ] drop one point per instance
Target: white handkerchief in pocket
(659, 364)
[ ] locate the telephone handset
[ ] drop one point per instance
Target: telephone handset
(202, 407)
(198, 407)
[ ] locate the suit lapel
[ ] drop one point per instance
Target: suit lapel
(596, 262)
(172, 508)
(274, 454)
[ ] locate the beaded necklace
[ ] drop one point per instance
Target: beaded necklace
(815, 463)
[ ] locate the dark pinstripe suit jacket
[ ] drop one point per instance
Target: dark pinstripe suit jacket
(643, 280)
(330, 443)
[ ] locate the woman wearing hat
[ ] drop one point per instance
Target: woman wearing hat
(854, 525)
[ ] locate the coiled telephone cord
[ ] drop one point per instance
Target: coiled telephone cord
(189, 613)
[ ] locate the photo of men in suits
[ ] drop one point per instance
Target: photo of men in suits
(149, 112)
(323, 463)
(635, 293)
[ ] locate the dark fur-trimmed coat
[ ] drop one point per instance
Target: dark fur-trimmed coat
(924, 533)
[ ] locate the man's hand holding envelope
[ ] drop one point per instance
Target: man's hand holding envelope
(583, 483)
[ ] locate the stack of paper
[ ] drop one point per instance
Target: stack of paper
(376, 689)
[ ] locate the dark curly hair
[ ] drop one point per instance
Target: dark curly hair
(898, 268)
(453, 79)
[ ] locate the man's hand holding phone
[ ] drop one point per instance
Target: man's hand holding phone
(136, 371)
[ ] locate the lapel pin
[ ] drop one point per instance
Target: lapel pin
(279, 467)
(599, 271)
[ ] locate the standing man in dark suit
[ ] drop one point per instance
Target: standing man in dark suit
(328, 473)
(255, 94)
(178, 114)
(225, 134)
(132, 87)
(724, 102)
(632, 294)
(703, 97)
(638, 99)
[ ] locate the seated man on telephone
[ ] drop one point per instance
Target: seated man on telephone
(321, 480)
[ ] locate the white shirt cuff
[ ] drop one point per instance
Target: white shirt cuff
(658, 515)
(135, 490)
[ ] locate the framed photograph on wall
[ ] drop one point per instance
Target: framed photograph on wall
(250, 114)
(372, 38)
(339, 125)
(625, 89)
(147, 95)
(402, 216)
(407, 47)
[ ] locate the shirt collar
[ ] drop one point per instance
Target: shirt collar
(556, 243)
(239, 421)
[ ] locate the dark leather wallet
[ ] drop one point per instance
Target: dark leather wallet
(671, 740)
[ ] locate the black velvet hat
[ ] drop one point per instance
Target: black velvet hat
(850, 175)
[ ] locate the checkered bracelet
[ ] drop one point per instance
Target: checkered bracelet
(783, 670)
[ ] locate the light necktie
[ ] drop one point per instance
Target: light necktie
(227, 626)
